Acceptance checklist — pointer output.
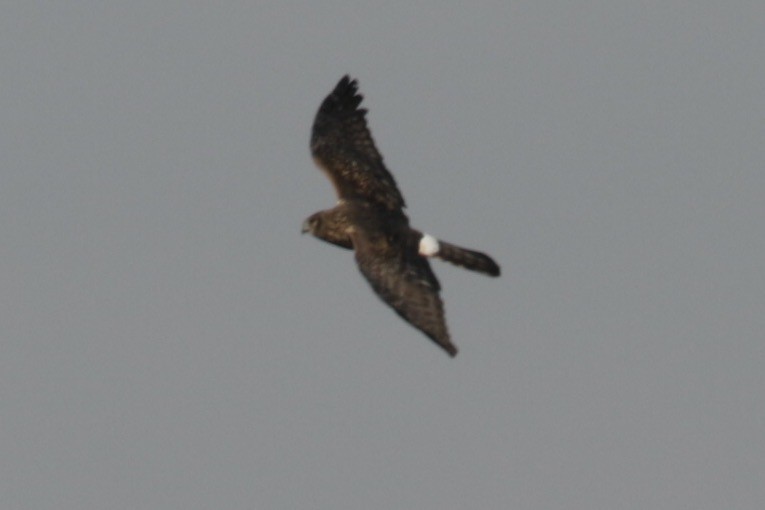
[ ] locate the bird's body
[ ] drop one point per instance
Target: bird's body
(369, 218)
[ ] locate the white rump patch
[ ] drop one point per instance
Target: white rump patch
(428, 245)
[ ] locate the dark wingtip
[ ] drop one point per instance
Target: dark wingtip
(444, 342)
(347, 86)
(344, 98)
(447, 346)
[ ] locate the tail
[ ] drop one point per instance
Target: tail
(469, 259)
(429, 246)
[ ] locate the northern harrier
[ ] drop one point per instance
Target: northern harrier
(370, 220)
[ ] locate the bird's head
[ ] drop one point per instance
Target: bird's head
(330, 226)
(311, 224)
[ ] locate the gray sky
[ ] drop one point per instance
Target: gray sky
(170, 340)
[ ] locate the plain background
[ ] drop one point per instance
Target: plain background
(170, 340)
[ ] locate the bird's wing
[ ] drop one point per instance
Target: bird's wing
(342, 146)
(406, 283)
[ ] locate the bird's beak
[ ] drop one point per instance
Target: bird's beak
(306, 227)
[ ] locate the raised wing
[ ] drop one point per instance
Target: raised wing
(342, 146)
(406, 283)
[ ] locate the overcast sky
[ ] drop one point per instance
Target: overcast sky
(169, 340)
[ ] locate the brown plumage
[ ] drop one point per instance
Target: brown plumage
(370, 220)
(343, 147)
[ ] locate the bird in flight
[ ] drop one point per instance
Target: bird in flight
(369, 218)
